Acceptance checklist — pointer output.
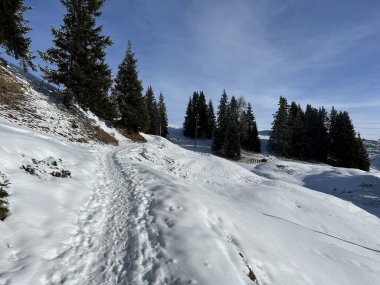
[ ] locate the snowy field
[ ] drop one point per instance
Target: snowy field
(156, 213)
(160, 213)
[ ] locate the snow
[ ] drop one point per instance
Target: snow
(156, 213)
(43, 209)
(160, 213)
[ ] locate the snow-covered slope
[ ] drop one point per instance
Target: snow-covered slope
(156, 213)
(44, 111)
(43, 208)
(159, 214)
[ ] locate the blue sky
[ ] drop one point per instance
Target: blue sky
(318, 52)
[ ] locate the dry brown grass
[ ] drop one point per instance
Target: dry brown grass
(133, 136)
(11, 94)
(97, 134)
(9, 85)
(12, 100)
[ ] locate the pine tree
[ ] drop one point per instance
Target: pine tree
(223, 113)
(79, 57)
(232, 140)
(346, 149)
(253, 141)
(192, 117)
(196, 116)
(151, 105)
(333, 147)
(128, 89)
(195, 119)
(243, 122)
(189, 124)
(279, 138)
(211, 120)
(163, 117)
(296, 127)
(13, 30)
(363, 162)
(221, 123)
(202, 115)
(311, 132)
(344, 144)
(323, 139)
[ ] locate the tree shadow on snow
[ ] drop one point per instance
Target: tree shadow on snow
(361, 190)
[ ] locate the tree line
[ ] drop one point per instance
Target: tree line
(234, 127)
(315, 134)
(77, 61)
(199, 118)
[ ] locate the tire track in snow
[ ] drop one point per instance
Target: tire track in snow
(116, 241)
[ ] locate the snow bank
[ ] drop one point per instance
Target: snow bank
(43, 209)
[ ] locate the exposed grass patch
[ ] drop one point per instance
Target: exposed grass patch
(9, 85)
(97, 134)
(133, 136)
(11, 94)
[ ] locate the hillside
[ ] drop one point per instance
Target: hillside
(158, 213)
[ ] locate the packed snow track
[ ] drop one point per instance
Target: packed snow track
(117, 241)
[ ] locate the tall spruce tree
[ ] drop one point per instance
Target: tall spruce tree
(323, 139)
(345, 143)
(79, 57)
(296, 127)
(253, 141)
(202, 115)
(189, 123)
(223, 113)
(362, 158)
(128, 89)
(221, 123)
(211, 120)
(311, 132)
(232, 140)
(13, 30)
(243, 122)
(279, 138)
(151, 105)
(196, 118)
(345, 149)
(333, 147)
(163, 117)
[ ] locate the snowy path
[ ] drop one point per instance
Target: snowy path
(116, 241)
(120, 240)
